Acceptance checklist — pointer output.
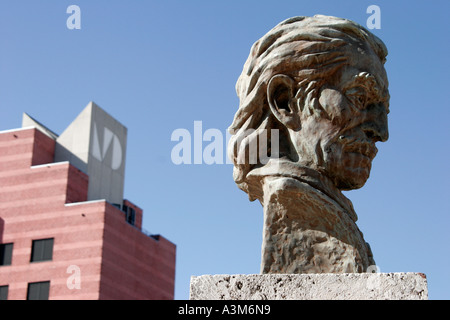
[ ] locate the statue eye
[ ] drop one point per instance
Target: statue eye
(357, 96)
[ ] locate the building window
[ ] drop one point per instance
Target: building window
(38, 290)
(3, 293)
(6, 254)
(130, 214)
(42, 250)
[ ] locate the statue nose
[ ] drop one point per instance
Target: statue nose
(376, 125)
(376, 134)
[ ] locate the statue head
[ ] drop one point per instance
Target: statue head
(320, 81)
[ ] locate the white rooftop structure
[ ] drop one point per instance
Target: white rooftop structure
(95, 143)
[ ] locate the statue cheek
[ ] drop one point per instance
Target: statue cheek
(335, 105)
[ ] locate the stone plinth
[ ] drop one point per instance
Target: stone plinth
(346, 286)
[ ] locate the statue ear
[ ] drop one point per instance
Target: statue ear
(280, 96)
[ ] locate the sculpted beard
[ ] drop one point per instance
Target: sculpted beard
(348, 160)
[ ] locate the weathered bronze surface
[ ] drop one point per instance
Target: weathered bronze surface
(320, 83)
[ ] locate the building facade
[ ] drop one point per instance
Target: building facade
(65, 230)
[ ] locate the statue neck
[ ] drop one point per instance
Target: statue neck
(285, 168)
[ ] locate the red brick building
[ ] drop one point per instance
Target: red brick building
(56, 243)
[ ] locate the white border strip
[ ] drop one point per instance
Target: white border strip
(83, 202)
(49, 164)
(18, 129)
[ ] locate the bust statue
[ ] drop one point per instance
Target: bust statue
(316, 88)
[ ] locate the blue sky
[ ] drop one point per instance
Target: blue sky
(157, 66)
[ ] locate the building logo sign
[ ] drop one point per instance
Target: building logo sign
(110, 140)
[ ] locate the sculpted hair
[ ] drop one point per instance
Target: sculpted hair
(308, 49)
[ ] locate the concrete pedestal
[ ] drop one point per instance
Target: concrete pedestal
(346, 286)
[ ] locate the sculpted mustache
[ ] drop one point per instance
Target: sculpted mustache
(363, 146)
